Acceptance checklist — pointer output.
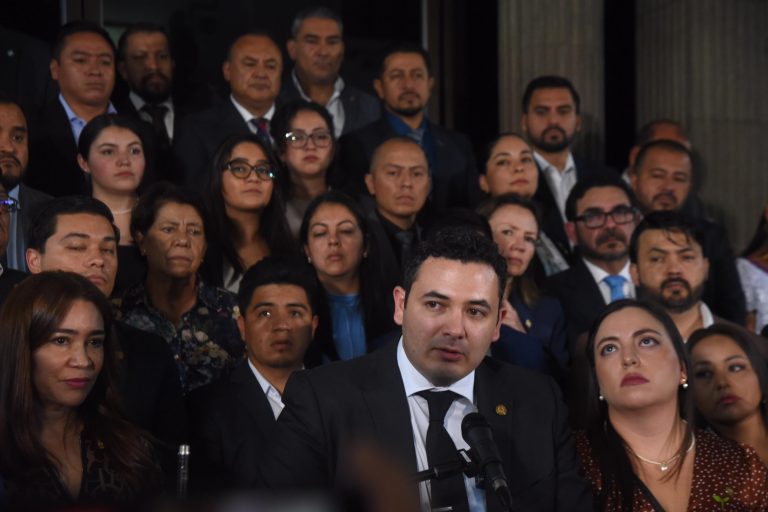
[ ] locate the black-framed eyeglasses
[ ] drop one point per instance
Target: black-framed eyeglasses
(9, 205)
(298, 139)
(243, 170)
(594, 219)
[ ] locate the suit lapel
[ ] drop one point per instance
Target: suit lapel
(585, 286)
(250, 394)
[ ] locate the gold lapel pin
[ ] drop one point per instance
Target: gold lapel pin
(527, 323)
(501, 410)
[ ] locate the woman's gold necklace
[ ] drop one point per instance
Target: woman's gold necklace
(664, 464)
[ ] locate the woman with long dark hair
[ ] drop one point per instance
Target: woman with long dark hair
(641, 451)
(246, 211)
(111, 152)
(731, 379)
(63, 437)
(306, 145)
(358, 288)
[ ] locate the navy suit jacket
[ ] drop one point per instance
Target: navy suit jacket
(551, 220)
(232, 424)
(360, 108)
(454, 178)
(198, 137)
(364, 399)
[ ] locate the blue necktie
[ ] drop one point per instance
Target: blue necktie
(616, 284)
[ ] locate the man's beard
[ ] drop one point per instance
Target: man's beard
(608, 234)
(151, 95)
(407, 112)
(546, 146)
(8, 177)
(675, 303)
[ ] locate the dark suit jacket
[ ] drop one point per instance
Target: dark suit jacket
(197, 138)
(330, 406)
(454, 178)
(551, 220)
(722, 291)
(31, 202)
(360, 108)
(232, 424)
(580, 297)
(53, 165)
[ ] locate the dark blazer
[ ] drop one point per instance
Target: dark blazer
(53, 165)
(31, 202)
(454, 178)
(330, 406)
(551, 220)
(580, 297)
(197, 138)
(722, 291)
(360, 108)
(232, 424)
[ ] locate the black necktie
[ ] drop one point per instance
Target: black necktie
(405, 239)
(448, 491)
(157, 113)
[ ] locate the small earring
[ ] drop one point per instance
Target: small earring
(601, 398)
(309, 260)
(684, 384)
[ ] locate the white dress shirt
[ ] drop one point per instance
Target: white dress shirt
(273, 395)
(559, 182)
(414, 381)
(599, 275)
(138, 103)
(247, 116)
(334, 105)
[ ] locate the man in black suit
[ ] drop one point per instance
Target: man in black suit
(83, 64)
(449, 309)
(404, 86)
(399, 182)
(77, 234)
(14, 157)
(234, 417)
(551, 119)
(316, 47)
(661, 178)
(601, 218)
(252, 69)
(144, 61)
(8, 276)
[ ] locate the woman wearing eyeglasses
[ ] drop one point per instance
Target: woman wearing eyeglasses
(245, 210)
(303, 134)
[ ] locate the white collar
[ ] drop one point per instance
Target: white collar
(570, 164)
(263, 382)
(598, 274)
(138, 102)
(414, 381)
(338, 86)
(247, 116)
(707, 318)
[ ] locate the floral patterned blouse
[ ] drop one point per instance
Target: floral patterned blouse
(207, 341)
(727, 476)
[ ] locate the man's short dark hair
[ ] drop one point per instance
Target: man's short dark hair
(255, 32)
(585, 185)
(550, 82)
(43, 225)
(670, 222)
(405, 47)
(139, 28)
(647, 131)
(274, 270)
(458, 243)
(667, 145)
(318, 11)
(77, 27)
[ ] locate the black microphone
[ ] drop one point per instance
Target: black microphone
(478, 435)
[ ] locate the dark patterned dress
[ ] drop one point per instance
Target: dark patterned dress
(205, 343)
(727, 476)
(100, 485)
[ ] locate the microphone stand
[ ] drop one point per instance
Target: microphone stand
(463, 464)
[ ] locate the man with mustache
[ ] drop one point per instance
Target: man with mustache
(14, 157)
(144, 61)
(662, 179)
(404, 86)
(551, 119)
(252, 70)
(601, 218)
(235, 417)
(316, 47)
(83, 65)
(399, 183)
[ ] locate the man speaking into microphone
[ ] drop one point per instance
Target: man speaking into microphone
(409, 398)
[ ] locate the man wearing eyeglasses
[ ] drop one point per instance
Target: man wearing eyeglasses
(21, 201)
(8, 276)
(601, 218)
